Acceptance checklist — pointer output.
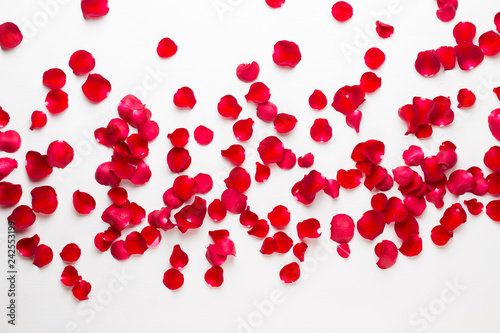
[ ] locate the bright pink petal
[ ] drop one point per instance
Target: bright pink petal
(54, 78)
(290, 273)
(235, 154)
(10, 35)
(81, 62)
(384, 30)
(413, 156)
(27, 246)
(427, 63)
(4, 118)
(286, 53)
(321, 131)
(59, 154)
(243, 129)
(387, 252)
(214, 276)
(258, 93)
(317, 100)
(166, 48)
(43, 256)
(228, 107)
(342, 11)
(56, 101)
(94, 8)
(203, 135)
(184, 98)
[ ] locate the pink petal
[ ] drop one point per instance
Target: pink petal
(342, 11)
(178, 159)
(371, 224)
(217, 211)
(43, 256)
(10, 36)
(234, 201)
(243, 129)
(54, 78)
(235, 154)
(440, 235)
(70, 252)
(374, 58)
(464, 32)
(290, 273)
(56, 101)
(387, 252)
(166, 48)
(203, 135)
(22, 216)
(81, 62)
(118, 250)
(262, 172)
(384, 30)
(36, 165)
(436, 197)
(184, 98)
(94, 8)
(161, 219)
(248, 72)
(267, 111)
(469, 56)
(258, 93)
(59, 154)
(317, 100)
(321, 131)
(299, 250)
(69, 276)
(275, 3)
(44, 199)
(214, 276)
(173, 279)
(228, 107)
(427, 63)
(286, 53)
(27, 246)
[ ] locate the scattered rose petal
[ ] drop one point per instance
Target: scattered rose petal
(151, 235)
(259, 229)
(69, 276)
(308, 228)
(290, 273)
(342, 228)
(179, 138)
(44, 199)
(10, 35)
(464, 32)
(343, 250)
(105, 176)
(214, 276)
(239, 179)
(374, 58)
(469, 56)
(267, 111)
(447, 10)
(317, 100)
(348, 98)
(440, 235)
(173, 279)
(184, 98)
(203, 135)
(217, 211)
(81, 290)
(70, 252)
(283, 242)
(353, 120)
(43, 256)
(371, 224)
(22, 216)
(493, 210)
(475, 207)
(494, 123)
(228, 107)
(427, 63)
(184, 187)
(306, 161)
(349, 179)
(94, 8)
(342, 11)
(271, 150)
(234, 201)
(299, 250)
(447, 57)
(492, 158)
(96, 88)
(370, 82)
(248, 72)
(460, 182)
(59, 154)
(466, 98)
(38, 119)
(148, 130)
(4, 118)
(7, 165)
(166, 48)
(243, 129)
(413, 156)
(412, 246)
(235, 154)
(178, 159)
(54, 78)
(384, 30)
(119, 251)
(258, 93)
(407, 227)
(387, 252)
(37, 166)
(27, 246)
(489, 42)
(279, 217)
(268, 246)
(179, 259)
(262, 172)
(81, 62)
(56, 101)
(286, 53)
(321, 131)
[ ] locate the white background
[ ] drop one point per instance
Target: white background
(333, 295)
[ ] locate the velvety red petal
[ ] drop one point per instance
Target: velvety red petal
(374, 58)
(184, 98)
(370, 82)
(413, 156)
(10, 194)
(148, 130)
(214, 276)
(343, 250)
(317, 100)
(249, 218)
(271, 150)
(178, 259)
(447, 57)
(228, 107)
(493, 210)
(371, 224)
(262, 172)
(427, 63)
(4, 118)
(387, 252)
(348, 98)
(407, 227)
(22, 216)
(489, 42)
(94, 8)
(81, 290)
(96, 88)
(268, 246)
(461, 182)
(415, 204)
(283, 242)
(349, 179)
(306, 161)
(69, 276)
(234, 201)
(166, 48)
(151, 235)
(185, 187)
(308, 228)
(214, 258)
(464, 32)
(44, 199)
(239, 179)
(56, 101)
(117, 216)
(119, 251)
(235, 154)
(43, 256)
(447, 11)
(279, 217)
(442, 115)
(59, 154)
(178, 159)
(453, 217)
(412, 246)
(179, 137)
(469, 56)
(248, 72)
(384, 30)
(258, 93)
(243, 129)
(321, 131)
(70, 252)
(217, 211)
(494, 123)
(465, 98)
(54, 78)
(286, 53)
(203, 135)
(173, 279)
(440, 235)
(81, 62)
(342, 228)
(395, 210)
(267, 111)
(260, 229)
(37, 166)
(10, 35)
(342, 11)
(475, 207)
(290, 273)
(27, 246)
(289, 160)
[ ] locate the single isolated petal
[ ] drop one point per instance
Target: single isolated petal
(284, 123)
(374, 58)
(228, 107)
(243, 129)
(96, 88)
(54, 78)
(27, 246)
(286, 53)
(469, 56)
(258, 93)
(173, 279)
(267, 111)
(56, 101)
(249, 218)
(184, 98)
(370, 82)
(248, 72)
(464, 32)
(342, 228)
(70, 252)
(239, 179)
(10, 141)
(10, 35)
(214, 276)
(306, 161)
(353, 120)
(317, 100)
(69, 276)
(44, 199)
(299, 250)
(81, 62)
(279, 217)
(217, 211)
(94, 8)
(384, 30)
(166, 48)
(475, 207)
(43, 256)
(203, 135)
(308, 228)
(343, 250)
(59, 154)
(465, 98)
(262, 172)
(342, 11)
(440, 235)
(22, 216)
(290, 273)
(371, 224)
(179, 259)
(235, 154)
(275, 3)
(179, 137)
(38, 119)
(321, 131)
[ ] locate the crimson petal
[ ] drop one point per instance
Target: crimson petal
(290, 273)
(54, 78)
(243, 130)
(387, 252)
(69, 276)
(317, 100)
(44, 199)
(27, 246)
(228, 107)
(81, 62)
(258, 93)
(94, 8)
(371, 224)
(248, 72)
(342, 11)
(286, 53)
(10, 35)
(70, 252)
(469, 56)
(166, 48)
(203, 135)
(59, 154)
(184, 98)
(56, 101)
(81, 290)
(22, 216)
(427, 63)
(43, 256)
(173, 279)
(214, 276)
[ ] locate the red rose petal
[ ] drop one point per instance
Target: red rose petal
(142, 174)
(27, 246)
(107, 136)
(184, 187)
(497, 92)
(260, 229)
(464, 32)
(374, 58)
(148, 130)
(460, 182)
(258, 93)
(412, 246)
(321, 131)
(36, 165)
(118, 250)
(387, 252)
(117, 216)
(289, 160)
(4, 118)
(100, 243)
(118, 195)
(492, 158)
(184, 98)
(311, 184)
(469, 56)
(178, 159)
(228, 107)
(384, 30)
(179, 138)
(475, 207)
(217, 211)
(135, 243)
(415, 204)
(59, 154)
(249, 218)
(70, 252)
(442, 115)
(342, 11)
(105, 176)
(447, 11)
(268, 246)
(290, 273)
(407, 227)
(493, 210)
(306, 161)
(38, 120)
(267, 111)
(22, 216)
(349, 179)
(214, 276)
(94, 8)
(494, 123)
(465, 98)
(96, 88)
(271, 150)
(234, 201)
(317, 100)
(348, 98)
(286, 53)
(279, 217)
(54, 78)
(262, 172)
(56, 101)
(275, 3)
(370, 82)
(43, 256)
(427, 63)
(342, 228)
(204, 182)
(371, 224)
(433, 173)
(489, 42)
(173, 279)
(343, 250)
(166, 48)
(308, 228)
(447, 57)
(453, 217)
(379, 201)
(161, 219)
(151, 235)
(436, 197)
(235, 154)
(81, 290)
(69, 276)
(7, 165)
(248, 72)
(81, 62)
(243, 129)
(299, 250)
(239, 179)
(283, 242)
(10, 35)
(353, 120)
(413, 156)
(440, 235)
(44, 199)
(138, 147)
(203, 135)
(395, 210)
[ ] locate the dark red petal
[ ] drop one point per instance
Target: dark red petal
(36, 165)
(279, 217)
(317, 100)
(148, 130)
(286, 53)
(387, 252)
(290, 273)
(10, 194)
(493, 210)
(267, 111)
(489, 42)
(239, 179)
(384, 30)
(370, 82)
(100, 243)
(268, 246)
(299, 250)
(436, 197)
(248, 72)
(44, 199)
(447, 57)
(492, 158)
(465, 98)
(475, 207)
(118, 195)
(258, 93)
(308, 228)
(118, 250)
(469, 56)
(260, 229)
(43, 256)
(38, 120)
(184, 98)
(54, 78)
(373, 150)
(228, 107)
(218, 235)
(179, 138)
(453, 217)
(371, 224)
(440, 235)
(94, 8)
(395, 210)
(70, 252)
(69, 276)
(306, 161)
(59, 154)
(203, 135)
(433, 173)
(262, 172)
(249, 218)
(447, 11)
(151, 235)
(413, 156)
(105, 176)
(349, 179)
(27, 246)
(379, 201)
(161, 219)
(56, 101)
(10, 35)
(22, 216)
(81, 290)
(235, 154)
(427, 63)
(217, 211)
(214, 276)
(321, 131)
(166, 48)
(342, 11)
(138, 148)
(178, 159)
(464, 32)
(184, 187)
(234, 201)
(271, 150)
(343, 250)
(407, 227)
(283, 242)
(173, 279)
(460, 182)
(289, 160)
(311, 184)
(81, 62)
(374, 58)
(243, 129)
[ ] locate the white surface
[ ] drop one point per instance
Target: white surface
(333, 295)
